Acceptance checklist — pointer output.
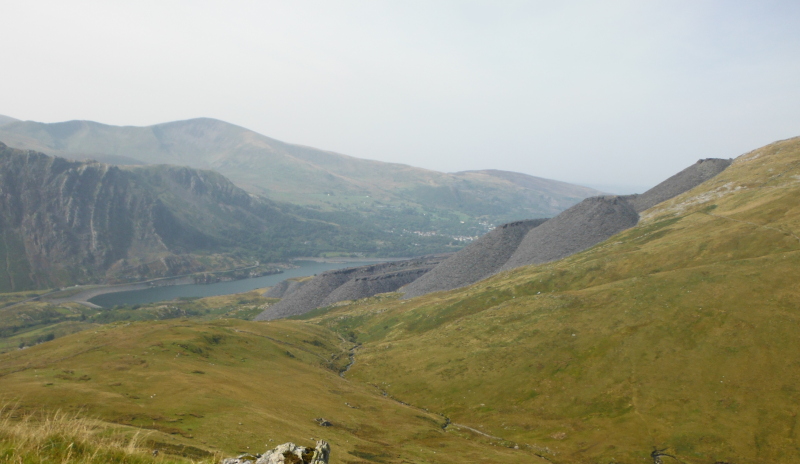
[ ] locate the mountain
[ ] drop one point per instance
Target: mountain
(530, 242)
(679, 334)
(6, 120)
(393, 196)
(509, 246)
(65, 222)
(676, 337)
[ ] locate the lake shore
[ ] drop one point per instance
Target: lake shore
(92, 291)
(107, 296)
(350, 260)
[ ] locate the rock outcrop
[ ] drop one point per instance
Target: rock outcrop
(349, 284)
(287, 453)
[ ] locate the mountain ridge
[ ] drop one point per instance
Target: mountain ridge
(65, 222)
(677, 337)
(508, 246)
(388, 193)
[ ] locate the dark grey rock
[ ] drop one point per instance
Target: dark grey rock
(585, 224)
(323, 422)
(478, 260)
(363, 287)
(283, 288)
(506, 247)
(319, 291)
(681, 182)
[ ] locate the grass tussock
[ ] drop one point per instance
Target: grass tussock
(59, 437)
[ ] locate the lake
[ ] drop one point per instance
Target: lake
(171, 292)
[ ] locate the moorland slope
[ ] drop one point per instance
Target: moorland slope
(679, 333)
(230, 387)
(534, 242)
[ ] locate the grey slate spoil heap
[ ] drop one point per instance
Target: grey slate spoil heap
(582, 226)
(507, 247)
(476, 261)
(681, 182)
(349, 284)
(585, 224)
(283, 288)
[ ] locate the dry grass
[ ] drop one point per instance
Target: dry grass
(66, 438)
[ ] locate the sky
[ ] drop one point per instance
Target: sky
(613, 94)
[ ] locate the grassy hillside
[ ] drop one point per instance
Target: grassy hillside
(393, 196)
(232, 386)
(33, 322)
(681, 333)
(66, 438)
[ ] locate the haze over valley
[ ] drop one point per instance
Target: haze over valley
(363, 232)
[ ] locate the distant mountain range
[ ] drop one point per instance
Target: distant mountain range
(675, 340)
(393, 197)
(507, 247)
(65, 222)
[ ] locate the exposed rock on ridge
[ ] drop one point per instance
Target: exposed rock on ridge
(349, 284)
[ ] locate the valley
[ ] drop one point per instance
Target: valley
(402, 200)
(677, 334)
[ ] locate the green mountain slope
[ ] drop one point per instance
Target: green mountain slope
(681, 333)
(232, 386)
(395, 196)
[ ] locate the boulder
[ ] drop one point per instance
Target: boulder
(287, 453)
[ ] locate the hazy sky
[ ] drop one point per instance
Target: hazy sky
(621, 93)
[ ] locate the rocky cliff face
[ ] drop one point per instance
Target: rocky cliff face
(64, 222)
